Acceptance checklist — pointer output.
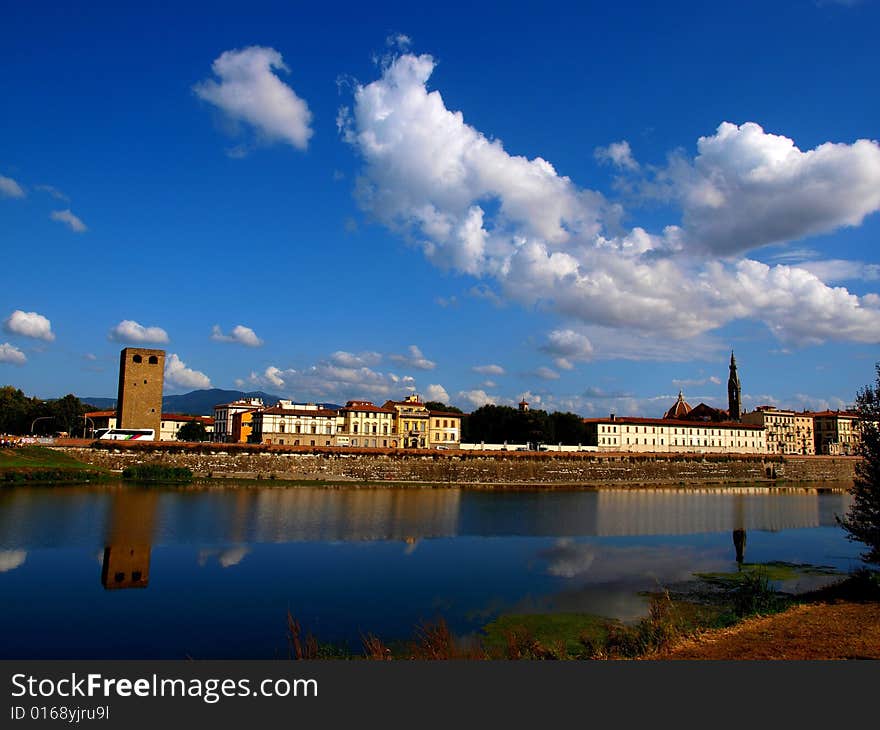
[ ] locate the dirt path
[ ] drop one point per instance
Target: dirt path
(814, 631)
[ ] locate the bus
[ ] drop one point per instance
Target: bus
(126, 434)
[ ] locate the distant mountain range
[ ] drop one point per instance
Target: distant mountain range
(196, 403)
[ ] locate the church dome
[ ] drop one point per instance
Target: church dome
(679, 409)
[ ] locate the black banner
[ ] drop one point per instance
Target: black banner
(134, 694)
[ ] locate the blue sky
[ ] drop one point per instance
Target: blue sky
(588, 206)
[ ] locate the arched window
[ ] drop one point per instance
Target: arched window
(137, 358)
(154, 360)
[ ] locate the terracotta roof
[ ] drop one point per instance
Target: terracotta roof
(186, 417)
(679, 409)
(100, 414)
(319, 413)
(445, 413)
(841, 414)
(362, 405)
(631, 420)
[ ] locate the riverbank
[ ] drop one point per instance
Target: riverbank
(459, 468)
(29, 464)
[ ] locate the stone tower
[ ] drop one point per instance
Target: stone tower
(139, 403)
(734, 392)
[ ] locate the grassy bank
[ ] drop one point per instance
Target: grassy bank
(715, 603)
(38, 464)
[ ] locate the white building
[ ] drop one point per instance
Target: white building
(667, 435)
(294, 424)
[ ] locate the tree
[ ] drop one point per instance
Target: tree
(192, 431)
(862, 522)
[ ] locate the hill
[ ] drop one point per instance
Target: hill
(197, 402)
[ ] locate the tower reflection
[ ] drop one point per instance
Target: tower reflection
(129, 537)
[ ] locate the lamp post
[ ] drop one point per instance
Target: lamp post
(41, 418)
(86, 418)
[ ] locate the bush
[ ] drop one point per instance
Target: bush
(157, 473)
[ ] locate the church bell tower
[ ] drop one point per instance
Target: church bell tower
(734, 392)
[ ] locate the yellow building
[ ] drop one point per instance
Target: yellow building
(781, 427)
(444, 430)
(411, 418)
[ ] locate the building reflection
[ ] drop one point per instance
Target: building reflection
(129, 538)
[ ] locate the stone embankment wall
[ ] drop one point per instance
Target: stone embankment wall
(479, 467)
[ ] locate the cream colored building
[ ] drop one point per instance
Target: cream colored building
(171, 423)
(444, 430)
(667, 435)
(361, 423)
(804, 433)
(788, 432)
(837, 433)
(294, 424)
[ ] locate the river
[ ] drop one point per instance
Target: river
(124, 572)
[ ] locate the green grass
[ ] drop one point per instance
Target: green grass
(775, 571)
(39, 457)
(563, 630)
(39, 464)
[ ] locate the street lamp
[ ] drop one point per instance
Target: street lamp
(41, 418)
(86, 418)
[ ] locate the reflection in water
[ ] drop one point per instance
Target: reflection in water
(739, 544)
(31, 518)
(126, 562)
(223, 565)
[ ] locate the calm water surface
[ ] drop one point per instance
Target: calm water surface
(123, 572)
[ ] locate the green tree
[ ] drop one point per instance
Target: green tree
(192, 431)
(436, 405)
(862, 522)
(15, 409)
(68, 412)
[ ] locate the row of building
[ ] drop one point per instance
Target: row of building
(408, 423)
(766, 430)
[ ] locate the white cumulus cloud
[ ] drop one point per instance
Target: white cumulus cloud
(10, 188)
(240, 334)
(178, 374)
(747, 188)
(130, 331)
(476, 398)
(568, 347)
(11, 354)
(436, 392)
(473, 207)
(413, 359)
(618, 154)
(29, 324)
(68, 218)
(249, 91)
(491, 369)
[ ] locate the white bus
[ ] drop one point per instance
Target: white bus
(126, 434)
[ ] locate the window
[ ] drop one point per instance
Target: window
(137, 358)
(281, 427)
(154, 360)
